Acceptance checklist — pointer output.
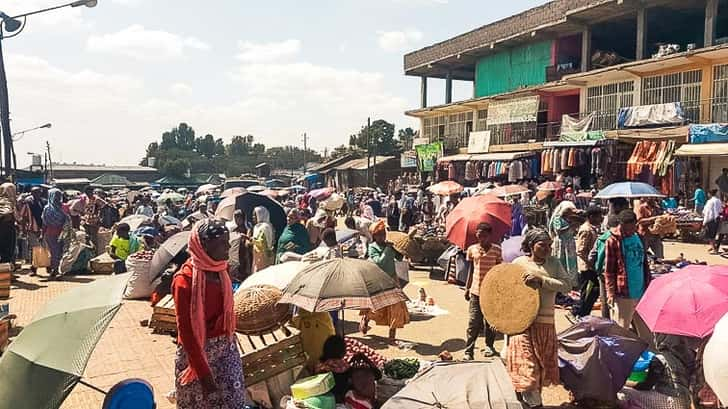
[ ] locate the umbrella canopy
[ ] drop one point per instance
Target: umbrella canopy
(333, 203)
(550, 186)
(596, 356)
(209, 187)
(297, 188)
(173, 196)
(321, 194)
(194, 217)
(135, 220)
(226, 208)
(715, 360)
(270, 193)
(510, 190)
(278, 275)
(405, 244)
(343, 235)
(342, 283)
(462, 385)
(233, 191)
(256, 188)
(48, 358)
(249, 201)
(169, 220)
(628, 190)
(446, 188)
(686, 302)
(463, 220)
(167, 251)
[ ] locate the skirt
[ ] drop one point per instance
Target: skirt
(224, 359)
(532, 360)
(393, 316)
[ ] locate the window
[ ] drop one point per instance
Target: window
(482, 119)
(452, 129)
(720, 93)
(606, 100)
(683, 87)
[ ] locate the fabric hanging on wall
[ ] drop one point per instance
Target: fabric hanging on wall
(646, 115)
(573, 129)
(706, 133)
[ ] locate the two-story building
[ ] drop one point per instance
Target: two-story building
(587, 88)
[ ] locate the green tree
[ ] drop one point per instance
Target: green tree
(219, 147)
(205, 146)
(175, 167)
(238, 146)
(406, 136)
(381, 138)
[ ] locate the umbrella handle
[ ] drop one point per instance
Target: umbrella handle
(88, 385)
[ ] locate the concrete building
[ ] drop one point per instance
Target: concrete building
(588, 59)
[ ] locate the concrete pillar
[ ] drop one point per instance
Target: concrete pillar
(423, 92)
(641, 34)
(586, 51)
(711, 19)
(448, 87)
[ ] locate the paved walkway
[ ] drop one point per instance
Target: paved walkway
(128, 350)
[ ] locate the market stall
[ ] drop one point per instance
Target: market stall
(579, 163)
(468, 169)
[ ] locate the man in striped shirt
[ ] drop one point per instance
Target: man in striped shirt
(482, 256)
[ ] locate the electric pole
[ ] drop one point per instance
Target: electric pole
(369, 153)
(5, 118)
(50, 162)
(305, 147)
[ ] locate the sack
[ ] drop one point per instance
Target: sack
(402, 269)
(140, 283)
(41, 257)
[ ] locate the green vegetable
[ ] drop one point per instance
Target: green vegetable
(402, 368)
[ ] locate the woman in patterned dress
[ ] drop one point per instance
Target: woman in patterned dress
(208, 367)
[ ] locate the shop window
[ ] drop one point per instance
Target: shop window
(683, 87)
(482, 119)
(720, 93)
(606, 100)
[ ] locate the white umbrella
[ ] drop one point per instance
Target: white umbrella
(205, 188)
(226, 208)
(278, 275)
(256, 188)
(135, 220)
(715, 360)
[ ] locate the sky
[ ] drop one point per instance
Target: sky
(113, 78)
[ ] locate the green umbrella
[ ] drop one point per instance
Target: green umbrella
(342, 283)
(173, 196)
(47, 359)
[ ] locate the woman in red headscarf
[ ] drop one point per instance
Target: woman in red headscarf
(208, 368)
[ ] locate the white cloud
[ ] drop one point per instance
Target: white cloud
(65, 18)
(130, 3)
(420, 2)
(267, 52)
(180, 89)
(152, 45)
(397, 41)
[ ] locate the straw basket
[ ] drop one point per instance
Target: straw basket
(257, 309)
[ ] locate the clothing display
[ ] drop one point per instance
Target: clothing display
(474, 170)
(652, 163)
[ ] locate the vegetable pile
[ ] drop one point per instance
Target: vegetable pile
(354, 347)
(402, 368)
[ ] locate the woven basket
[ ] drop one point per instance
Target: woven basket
(257, 310)
(507, 303)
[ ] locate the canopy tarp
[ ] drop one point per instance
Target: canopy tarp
(503, 156)
(703, 149)
(676, 133)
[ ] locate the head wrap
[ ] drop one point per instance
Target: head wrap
(533, 236)
(8, 199)
(378, 227)
(202, 263)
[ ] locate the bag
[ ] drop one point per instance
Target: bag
(41, 257)
(402, 269)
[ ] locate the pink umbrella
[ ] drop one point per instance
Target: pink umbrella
(509, 190)
(550, 186)
(687, 302)
(446, 188)
(321, 194)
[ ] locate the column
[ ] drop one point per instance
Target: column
(711, 18)
(586, 39)
(448, 87)
(641, 34)
(423, 92)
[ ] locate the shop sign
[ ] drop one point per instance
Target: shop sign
(408, 159)
(427, 156)
(479, 142)
(518, 110)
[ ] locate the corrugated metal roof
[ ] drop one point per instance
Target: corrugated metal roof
(102, 168)
(361, 164)
(72, 181)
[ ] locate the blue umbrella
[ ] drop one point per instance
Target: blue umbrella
(628, 190)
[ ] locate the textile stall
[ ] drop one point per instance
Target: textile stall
(652, 162)
(581, 161)
(507, 166)
(703, 162)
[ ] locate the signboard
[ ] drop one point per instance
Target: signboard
(408, 159)
(479, 142)
(427, 156)
(513, 111)
(420, 141)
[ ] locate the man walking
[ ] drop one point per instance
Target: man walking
(586, 238)
(711, 214)
(646, 215)
(482, 256)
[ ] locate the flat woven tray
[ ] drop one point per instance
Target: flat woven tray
(507, 303)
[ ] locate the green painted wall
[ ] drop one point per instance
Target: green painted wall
(511, 69)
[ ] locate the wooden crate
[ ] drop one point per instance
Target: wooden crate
(271, 354)
(163, 318)
(5, 278)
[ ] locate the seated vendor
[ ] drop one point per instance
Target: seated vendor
(122, 245)
(332, 360)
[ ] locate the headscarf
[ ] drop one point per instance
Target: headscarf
(533, 236)
(557, 216)
(378, 227)
(8, 199)
(263, 229)
(202, 263)
(53, 214)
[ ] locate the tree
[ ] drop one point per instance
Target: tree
(381, 138)
(238, 146)
(406, 137)
(175, 167)
(219, 147)
(258, 148)
(205, 146)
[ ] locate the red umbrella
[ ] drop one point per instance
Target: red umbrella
(446, 188)
(463, 220)
(510, 190)
(687, 302)
(550, 186)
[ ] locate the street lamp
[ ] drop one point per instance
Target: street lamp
(14, 26)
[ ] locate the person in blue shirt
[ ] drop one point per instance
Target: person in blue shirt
(699, 198)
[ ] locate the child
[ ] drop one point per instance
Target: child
(363, 376)
(332, 360)
(121, 246)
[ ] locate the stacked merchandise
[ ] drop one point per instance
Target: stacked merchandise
(651, 162)
(585, 161)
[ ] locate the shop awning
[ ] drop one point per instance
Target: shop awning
(676, 133)
(703, 149)
(455, 158)
(502, 156)
(567, 144)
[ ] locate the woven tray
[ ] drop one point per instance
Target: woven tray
(257, 309)
(507, 303)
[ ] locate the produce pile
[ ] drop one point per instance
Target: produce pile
(354, 347)
(402, 368)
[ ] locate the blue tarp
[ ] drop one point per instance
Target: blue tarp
(707, 133)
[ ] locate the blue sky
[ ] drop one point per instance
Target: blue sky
(111, 79)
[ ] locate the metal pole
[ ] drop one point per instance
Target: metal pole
(369, 153)
(50, 161)
(305, 144)
(5, 116)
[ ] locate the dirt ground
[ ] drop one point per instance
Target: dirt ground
(128, 350)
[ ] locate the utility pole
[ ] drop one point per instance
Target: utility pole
(7, 136)
(369, 153)
(305, 147)
(50, 162)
